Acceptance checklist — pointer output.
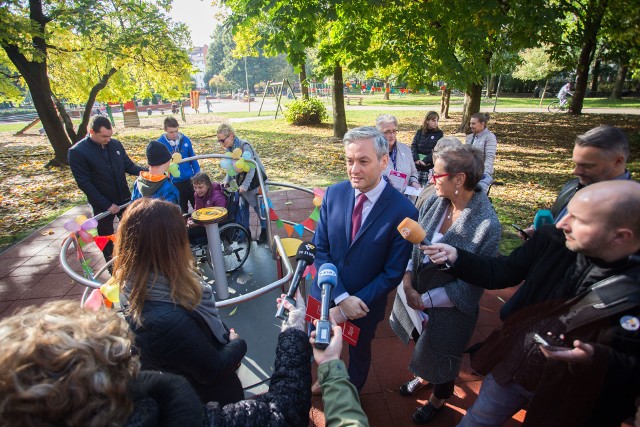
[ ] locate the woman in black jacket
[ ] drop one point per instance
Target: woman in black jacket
(170, 310)
(422, 146)
(60, 349)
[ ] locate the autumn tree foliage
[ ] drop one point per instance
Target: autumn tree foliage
(81, 51)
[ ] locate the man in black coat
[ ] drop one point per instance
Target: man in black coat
(599, 154)
(581, 293)
(99, 164)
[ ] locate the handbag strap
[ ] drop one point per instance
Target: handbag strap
(605, 298)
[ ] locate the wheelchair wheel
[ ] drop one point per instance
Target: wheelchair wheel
(236, 245)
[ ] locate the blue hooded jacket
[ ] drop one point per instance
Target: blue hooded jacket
(184, 147)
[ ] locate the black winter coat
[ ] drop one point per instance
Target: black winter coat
(565, 195)
(163, 400)
(599, 394)
(168, 400)
(100, 172)
(174, 339)
(288, 401)
(424, 144)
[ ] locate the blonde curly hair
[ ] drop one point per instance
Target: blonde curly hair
(63, 365)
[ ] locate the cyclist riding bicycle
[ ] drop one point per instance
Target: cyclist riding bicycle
(562, 94)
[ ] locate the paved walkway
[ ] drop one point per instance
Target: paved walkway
(30, 274)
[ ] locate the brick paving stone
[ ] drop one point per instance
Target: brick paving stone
(50, 286)
(13, 287)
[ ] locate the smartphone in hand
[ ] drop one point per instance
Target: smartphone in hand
(521, 231)
(547, 346)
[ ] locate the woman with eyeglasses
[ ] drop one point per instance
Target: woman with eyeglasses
(483, 139)
(446, 309)
(401, 170)
(248, 184)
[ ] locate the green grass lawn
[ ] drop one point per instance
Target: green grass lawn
(533, 161)
(503, 101)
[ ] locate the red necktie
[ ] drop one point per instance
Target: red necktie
(356, 217)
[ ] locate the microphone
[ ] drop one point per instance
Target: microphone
(327, 280)
(411, 231)
(305, 256)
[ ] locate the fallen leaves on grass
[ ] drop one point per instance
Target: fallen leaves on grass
(533, 161)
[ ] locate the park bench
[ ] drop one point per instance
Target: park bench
(355, 98)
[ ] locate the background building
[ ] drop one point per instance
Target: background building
(197, 57)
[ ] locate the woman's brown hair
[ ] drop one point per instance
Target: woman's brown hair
(425, 125)
(152, 241)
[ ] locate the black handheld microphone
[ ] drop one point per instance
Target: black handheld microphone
(305, 256)
(327, 280)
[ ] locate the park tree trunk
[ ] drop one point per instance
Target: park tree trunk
(304, 88)
(88, 106)
(66, 120)
(491, 87)
(544, 91)
(472, 100)
(621, 76)
(34, 72)
(595, 12)
(595, 76)
(387, 90)
(444, 102)
(339, 114)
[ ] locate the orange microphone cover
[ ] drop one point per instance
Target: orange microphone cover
(411, 230)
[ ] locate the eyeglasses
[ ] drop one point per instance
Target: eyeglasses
(391, 132)
(442, 175)
(223, 140)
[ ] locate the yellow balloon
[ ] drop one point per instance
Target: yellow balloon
(80, 219)
(236, 154)
(176, 157)
(111, 290)
(317, 201)
(246, 167)
(240, 164)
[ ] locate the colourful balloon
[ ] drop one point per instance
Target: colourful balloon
(86, 237)
(90, 224)
(174, 170)
(225, 163)
(317, 201)
(72, 226)
(176, 157)
(232, 172)
(246, 155)
(111, 291)
(236, 154)
(240, 164)
(246, 167)
(80, 219)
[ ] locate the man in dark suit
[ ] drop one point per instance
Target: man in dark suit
(99, 163)
(357, 232)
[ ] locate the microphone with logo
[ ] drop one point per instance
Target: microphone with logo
(327, 280)
(305, 256)
(411, 231)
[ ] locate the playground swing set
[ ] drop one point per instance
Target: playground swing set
(277, 89)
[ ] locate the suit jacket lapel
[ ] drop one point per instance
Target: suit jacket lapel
(348, 213)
